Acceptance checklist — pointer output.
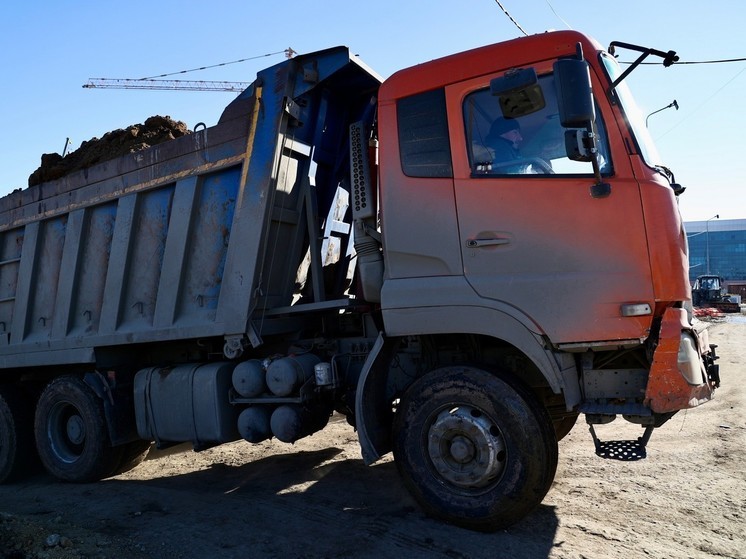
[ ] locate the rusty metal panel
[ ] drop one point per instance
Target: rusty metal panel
(68, 273)
(117, 264)
(143, 270)
(208, 240)
(96, 239)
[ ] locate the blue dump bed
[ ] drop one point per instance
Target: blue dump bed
(198, 237)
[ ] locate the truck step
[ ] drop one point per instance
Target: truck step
(624, 450)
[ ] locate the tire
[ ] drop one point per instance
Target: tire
(71, 434)
(133, 455)
(563, 426)
(473, 449)
(562, 420)
(17, 451)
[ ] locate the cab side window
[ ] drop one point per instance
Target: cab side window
(530, 144)
(424, 144)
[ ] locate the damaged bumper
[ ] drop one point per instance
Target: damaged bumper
(683, 374)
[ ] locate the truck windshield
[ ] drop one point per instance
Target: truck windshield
(632, 112)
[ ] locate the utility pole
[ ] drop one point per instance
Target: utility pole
(707, 241)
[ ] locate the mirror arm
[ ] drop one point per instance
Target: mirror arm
(628, 71)
(668, 59)
(599, 189)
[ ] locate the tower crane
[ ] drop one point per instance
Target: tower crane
(183, 85)
(154, 83)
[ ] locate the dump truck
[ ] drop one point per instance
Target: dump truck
(339, 243)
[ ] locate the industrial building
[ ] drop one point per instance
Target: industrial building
(718, 247)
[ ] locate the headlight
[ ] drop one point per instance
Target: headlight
(690, 365)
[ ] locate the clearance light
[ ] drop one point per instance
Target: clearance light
(637, 309)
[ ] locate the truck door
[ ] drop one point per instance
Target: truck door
(531, 234)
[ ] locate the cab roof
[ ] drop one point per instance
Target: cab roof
(485, 60)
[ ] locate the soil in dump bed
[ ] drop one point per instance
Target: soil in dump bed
(155, 130)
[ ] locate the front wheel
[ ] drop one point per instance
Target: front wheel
(564, 425)
(473, 449)
(71, 433)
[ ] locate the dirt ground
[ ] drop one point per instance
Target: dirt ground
(317, 499)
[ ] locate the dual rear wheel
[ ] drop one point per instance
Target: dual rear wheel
(71, 433)
(70, 430)
(72, 436)
(17, 451)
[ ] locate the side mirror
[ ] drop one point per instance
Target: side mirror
(580, 145)
(574, 98)
(572, 78)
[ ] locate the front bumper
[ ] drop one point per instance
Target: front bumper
(683, 374)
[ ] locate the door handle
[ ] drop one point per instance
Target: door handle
(478, 243)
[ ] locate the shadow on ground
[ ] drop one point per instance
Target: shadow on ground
(303, 504)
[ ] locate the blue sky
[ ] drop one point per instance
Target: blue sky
(50, 49)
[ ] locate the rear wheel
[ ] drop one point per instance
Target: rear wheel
(16, 434)
(71, 434)
(473, 449)
(133, 455)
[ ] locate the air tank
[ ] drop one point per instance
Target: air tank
(249, 378)
(291, 422)
(254, 423)
(286, 375)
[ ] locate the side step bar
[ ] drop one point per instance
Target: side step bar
(628, 451)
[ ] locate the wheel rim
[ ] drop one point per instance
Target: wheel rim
(466, 447)
(66, 430)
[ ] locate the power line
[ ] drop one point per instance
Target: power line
(723, 61)
(702, 104)
(558, 16)
(510, 17)
(715, 61)
(288, 52)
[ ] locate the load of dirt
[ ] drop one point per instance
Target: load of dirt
(155, 130)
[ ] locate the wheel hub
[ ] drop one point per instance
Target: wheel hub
(462, 449)
(66, 430)
(466, 447)
(75, 429)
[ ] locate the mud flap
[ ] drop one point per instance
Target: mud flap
(373, 414)
(119, 413)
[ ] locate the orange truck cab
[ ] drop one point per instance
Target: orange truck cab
(524, 205)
